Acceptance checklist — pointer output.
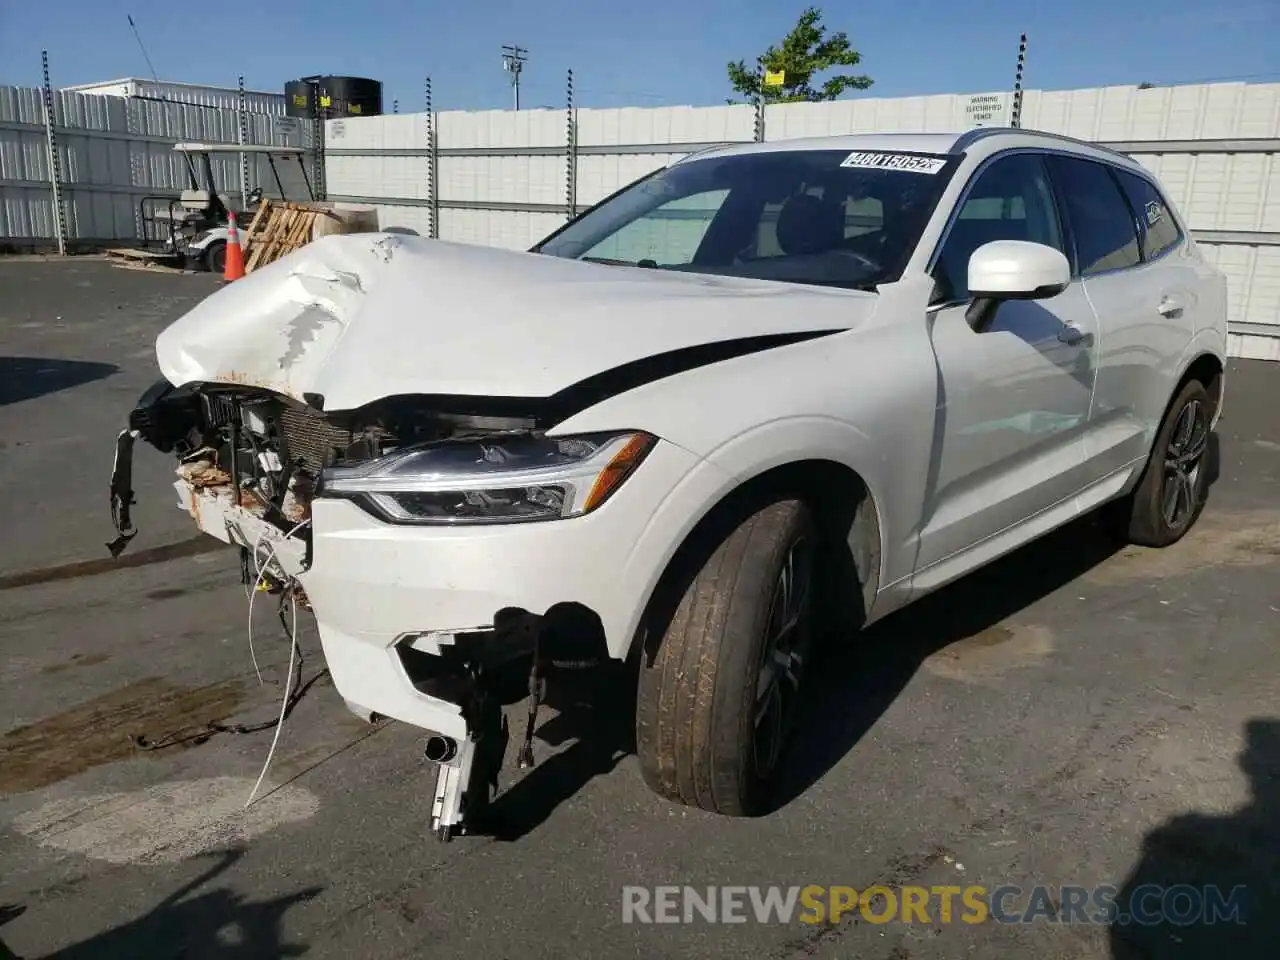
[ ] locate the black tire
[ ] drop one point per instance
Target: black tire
(696, 733)
(1142, 517)
(215, 257)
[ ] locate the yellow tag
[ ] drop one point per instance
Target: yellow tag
(326, 101)
(354, 108)
(774, 78)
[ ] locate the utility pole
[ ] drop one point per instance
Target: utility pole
(513, 59)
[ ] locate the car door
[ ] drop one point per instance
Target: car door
(1013, 401)
(1142, 288)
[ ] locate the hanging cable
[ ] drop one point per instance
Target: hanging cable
(294, 687)
(260, 570)
(284, 704)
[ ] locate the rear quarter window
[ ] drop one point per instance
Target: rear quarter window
(1160, 232)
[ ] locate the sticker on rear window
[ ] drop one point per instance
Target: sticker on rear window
(866, 160)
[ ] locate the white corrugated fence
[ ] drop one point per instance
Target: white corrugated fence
(113, 151)
(507, 178)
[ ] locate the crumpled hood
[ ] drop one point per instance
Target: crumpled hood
(358, 317)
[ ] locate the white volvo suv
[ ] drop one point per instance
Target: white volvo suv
(767, 389)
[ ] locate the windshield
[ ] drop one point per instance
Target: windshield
(827, 217)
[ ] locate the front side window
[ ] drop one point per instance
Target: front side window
(1010, 200)
(825, 217)
(1158, 229)
(1101, 222)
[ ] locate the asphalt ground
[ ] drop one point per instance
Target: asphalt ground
(1070, 716)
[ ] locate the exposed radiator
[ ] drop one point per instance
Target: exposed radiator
(311, 438)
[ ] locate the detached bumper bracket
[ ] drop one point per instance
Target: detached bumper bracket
(122, 499)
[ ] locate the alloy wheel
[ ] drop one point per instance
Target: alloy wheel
(1183, 463)
(783, 656)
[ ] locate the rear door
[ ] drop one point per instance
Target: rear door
(1138, 304)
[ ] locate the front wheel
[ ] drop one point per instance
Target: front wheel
(1174, 486)
(215, 257)
(716, 705)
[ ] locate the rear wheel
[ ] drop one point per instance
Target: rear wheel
(215, 257)
(1174, 486)
(716, 705)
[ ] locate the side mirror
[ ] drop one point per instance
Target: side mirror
(1012, 270)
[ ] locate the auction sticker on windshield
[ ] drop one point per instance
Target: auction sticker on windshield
(868, 160)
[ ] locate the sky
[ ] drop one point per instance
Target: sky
(654, 53)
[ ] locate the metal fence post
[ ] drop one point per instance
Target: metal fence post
(759, 129)
(433, 230)
(319, 114)
(322, 190)
(571, 154)
(55, 166)
(243, 137)
(1016, 119)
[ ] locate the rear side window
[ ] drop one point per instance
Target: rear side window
(1105, 232)
(1159, 230)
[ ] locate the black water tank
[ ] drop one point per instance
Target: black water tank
(333, 97)
(350, 96)
(299, 99)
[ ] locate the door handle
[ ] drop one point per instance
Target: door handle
(1170, 307)
(1074, 336)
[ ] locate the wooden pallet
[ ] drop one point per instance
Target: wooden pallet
(278, 228)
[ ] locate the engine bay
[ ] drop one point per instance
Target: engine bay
(265, 453)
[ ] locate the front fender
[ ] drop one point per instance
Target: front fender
(216, 235)
(736, 462)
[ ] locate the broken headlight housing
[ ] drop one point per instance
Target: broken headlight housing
(503, 479)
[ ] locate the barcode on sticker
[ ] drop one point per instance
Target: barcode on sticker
(867, 160)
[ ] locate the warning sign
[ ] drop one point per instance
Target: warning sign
(986, 110)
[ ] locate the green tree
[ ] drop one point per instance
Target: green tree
(806, 50)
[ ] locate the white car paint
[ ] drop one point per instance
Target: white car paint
(969, 444)
(499, 322)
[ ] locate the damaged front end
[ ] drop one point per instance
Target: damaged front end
(250, 462)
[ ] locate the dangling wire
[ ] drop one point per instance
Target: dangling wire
(288, 687)
(294, 687)
(260, 570)
(261, 567)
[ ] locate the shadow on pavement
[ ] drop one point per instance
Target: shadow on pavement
(215, 925)
(853, 682)
(597, 710)
(8, 912)
(25, 378)
(1209, 885)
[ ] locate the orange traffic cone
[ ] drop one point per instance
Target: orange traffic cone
(233, 268)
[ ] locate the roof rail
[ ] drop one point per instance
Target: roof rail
(711, 148)
(968, 139)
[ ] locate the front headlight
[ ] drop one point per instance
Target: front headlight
(503, 479)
